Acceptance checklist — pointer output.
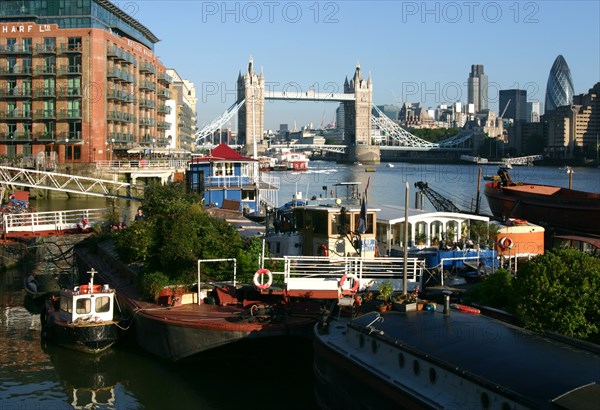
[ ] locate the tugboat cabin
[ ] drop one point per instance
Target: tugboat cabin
(224, 175)
(87, 304)
(329, 231)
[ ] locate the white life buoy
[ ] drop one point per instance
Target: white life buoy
(354, 278)
(506, 243)
(258, 279)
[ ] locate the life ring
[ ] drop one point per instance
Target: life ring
(257, 279)
(350, 276)
(323, 250)
(506, 243)
(86, 289)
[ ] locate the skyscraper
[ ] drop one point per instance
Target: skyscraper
(477, 88)
(513, 104)
(559, 90)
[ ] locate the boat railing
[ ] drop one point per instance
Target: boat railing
(324, 273)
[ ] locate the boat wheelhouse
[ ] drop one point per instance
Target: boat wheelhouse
(82, 318)
(226, 175)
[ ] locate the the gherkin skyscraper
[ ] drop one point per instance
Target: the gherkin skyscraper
(559, 90)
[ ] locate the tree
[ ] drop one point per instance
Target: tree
(558, 292)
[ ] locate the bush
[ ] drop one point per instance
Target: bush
(151, 284)
(495, 291)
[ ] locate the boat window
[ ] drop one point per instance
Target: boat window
(66, 304)
(229, 169)
(218, 169)
(369, 222)
(320, 223)
(83, 305)
(102, 304)
(248, 195)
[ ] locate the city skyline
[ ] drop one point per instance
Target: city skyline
(415, 51)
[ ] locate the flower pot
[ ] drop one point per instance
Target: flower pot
(404, 307)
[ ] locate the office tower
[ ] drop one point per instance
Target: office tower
(559, 89)
(513, 105)
(477, 88)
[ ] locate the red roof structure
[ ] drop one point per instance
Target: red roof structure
(223, 152)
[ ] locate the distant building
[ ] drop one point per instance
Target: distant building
(182, 115)
(79, 81)
(340, 117)
(513, 105)
(559, 89)
(477, 88)
(574, 127)
(283, 128)
(414, 115)
(390, 110)
(534, 111)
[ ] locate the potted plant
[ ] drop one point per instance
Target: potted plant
(385, 292)
(406, 302)
(420, 238)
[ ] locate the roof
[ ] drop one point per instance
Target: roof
(134, 23)
(393, 214)
(592, 241)
(222, 152)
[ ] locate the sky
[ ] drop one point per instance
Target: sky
(415, 51)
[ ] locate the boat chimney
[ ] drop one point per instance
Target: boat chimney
(91, 287)
(447, 294)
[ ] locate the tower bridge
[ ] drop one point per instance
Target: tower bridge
(360, 116)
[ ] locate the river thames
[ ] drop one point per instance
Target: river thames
(35, 376)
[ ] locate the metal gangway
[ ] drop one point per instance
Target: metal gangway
(70, 183)
(51, 223)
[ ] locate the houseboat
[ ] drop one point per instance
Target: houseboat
(224, 176)
(446, 359)
(292, 161)
(82, 318)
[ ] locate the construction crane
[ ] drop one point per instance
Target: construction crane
(440, 203)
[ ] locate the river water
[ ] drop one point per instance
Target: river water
(36, 376)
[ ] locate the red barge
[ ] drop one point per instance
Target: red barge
(546, 205)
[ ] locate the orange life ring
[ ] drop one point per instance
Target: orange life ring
(258, 279)
(323, 250)
(86, 289)
(350, 276)
(506, 243)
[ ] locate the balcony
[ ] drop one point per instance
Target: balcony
(147, 122)
(127, 77)
(122, 137)
(44, 115)
(44, 70)
(16, 49)
(14, 115)
(120, 116)
(113, 72)
(69, 92)
(15, 93)
(147, 85)
(45, 136)
(15, 71)
(164, 109)
(147, 68)
(163, 126)
(15, 137)
(72, 136)
(73, 114)
(147, 104)
(45, 49)
(69, 48)
(165, 78)
(164, 94)
(69, 70)
(46, 92)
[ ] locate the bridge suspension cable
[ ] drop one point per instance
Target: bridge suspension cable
(406, 139)
(218, 122)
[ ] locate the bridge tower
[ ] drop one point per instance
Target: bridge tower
(251, 117)
(357, 115)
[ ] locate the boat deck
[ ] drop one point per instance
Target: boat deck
(526, 363)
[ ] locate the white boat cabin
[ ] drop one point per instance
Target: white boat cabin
(425, 229)
(87, 303)
(323, 230)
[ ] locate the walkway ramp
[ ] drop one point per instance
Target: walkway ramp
(70, 183)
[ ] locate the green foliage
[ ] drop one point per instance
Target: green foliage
(495, 291)
(151, 284)
(558, 291)
(247, 259)
(175, 234)
(484, 233)
(385, 291)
